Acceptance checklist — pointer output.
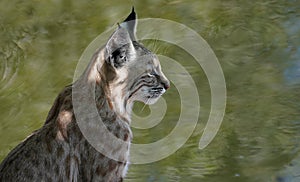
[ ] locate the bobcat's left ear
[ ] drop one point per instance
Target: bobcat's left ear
(119, 48)
(130, 24)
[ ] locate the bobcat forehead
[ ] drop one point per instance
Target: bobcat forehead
(141, 49)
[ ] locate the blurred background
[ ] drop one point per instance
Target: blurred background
(256, 42)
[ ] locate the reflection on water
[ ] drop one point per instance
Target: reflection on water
(258, 46)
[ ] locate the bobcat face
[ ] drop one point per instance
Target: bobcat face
(137, 74)
(148, 82)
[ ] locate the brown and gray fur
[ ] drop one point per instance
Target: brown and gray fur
(122, 72)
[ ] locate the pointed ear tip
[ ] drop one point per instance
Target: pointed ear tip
(131, 16)
(132, 11)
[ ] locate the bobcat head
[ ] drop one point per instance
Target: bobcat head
(132, 72)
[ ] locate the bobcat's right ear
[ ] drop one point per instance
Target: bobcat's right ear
(119, 47)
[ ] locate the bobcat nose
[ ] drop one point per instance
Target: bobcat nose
(166, 84)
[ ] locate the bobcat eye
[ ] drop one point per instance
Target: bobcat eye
(151, 74)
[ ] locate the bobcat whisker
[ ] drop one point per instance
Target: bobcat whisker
(147, 102)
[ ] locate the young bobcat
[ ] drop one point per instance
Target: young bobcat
(121, 72)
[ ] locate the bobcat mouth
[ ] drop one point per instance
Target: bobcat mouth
(137, 90)
(153, 92)
(156, 92)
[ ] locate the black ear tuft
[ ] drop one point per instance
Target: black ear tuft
(130, 24)
(131, 16)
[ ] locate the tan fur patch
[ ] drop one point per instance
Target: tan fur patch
(64, 118)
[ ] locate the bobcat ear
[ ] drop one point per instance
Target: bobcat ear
(119, 47)
(130, 24)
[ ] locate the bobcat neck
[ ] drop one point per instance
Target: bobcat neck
(107, 85)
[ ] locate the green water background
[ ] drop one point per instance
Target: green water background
(256, 42)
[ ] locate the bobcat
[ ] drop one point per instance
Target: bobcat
(122, 71)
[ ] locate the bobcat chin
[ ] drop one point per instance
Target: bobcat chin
(122, 71)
